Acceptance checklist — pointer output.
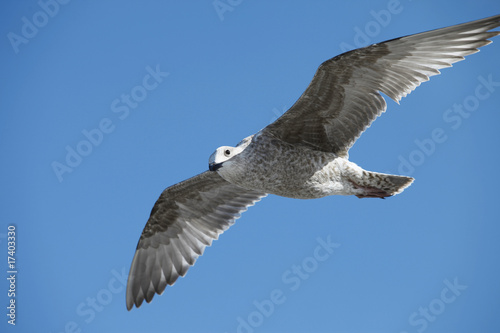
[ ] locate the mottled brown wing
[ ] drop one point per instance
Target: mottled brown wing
(344, 97)
(184, 220)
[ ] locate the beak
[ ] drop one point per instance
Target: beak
(214, 166)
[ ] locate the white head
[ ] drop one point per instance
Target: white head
(225, 153)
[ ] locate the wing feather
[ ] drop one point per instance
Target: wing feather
(344, 98)
(186, 218)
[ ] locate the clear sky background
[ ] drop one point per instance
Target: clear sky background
(426, 260)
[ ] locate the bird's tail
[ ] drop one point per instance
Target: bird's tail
(379, 185)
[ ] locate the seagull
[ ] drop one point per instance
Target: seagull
(303, 154)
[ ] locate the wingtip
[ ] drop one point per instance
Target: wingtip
(129, 302)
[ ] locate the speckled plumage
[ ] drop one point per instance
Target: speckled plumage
(303, 154)
(303, 173)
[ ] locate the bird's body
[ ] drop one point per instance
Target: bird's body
(303, 154)
(288, 175)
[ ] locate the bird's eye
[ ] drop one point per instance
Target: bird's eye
(227, 152)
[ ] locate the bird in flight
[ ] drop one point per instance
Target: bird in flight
(303, 154)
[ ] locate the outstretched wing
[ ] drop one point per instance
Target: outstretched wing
(184, 220)
(344, 98)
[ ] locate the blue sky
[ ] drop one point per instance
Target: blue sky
(422, 261)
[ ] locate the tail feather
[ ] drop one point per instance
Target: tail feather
(397, 184)
(380, 185)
